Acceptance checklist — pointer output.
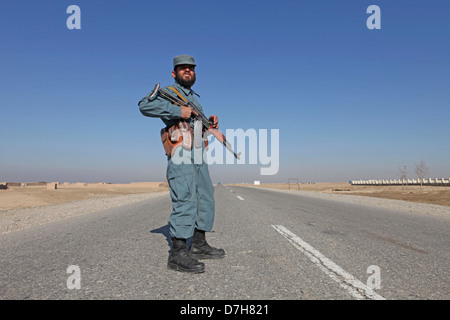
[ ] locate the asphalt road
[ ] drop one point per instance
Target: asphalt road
(279, 246)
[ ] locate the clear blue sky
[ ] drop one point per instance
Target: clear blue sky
(350, 103)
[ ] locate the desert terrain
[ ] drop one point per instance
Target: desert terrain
(18, 197)
(22, 207)
(439, 195)
(34, 196)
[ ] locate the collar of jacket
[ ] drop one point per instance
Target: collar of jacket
(186, 91)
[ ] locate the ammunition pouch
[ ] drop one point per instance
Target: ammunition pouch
(180, 134)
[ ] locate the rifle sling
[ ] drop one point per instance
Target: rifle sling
(185, 100)
(178, 94)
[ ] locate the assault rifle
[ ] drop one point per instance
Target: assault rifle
(199, 115)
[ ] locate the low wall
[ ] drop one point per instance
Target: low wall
(399, 182)
(26, 184)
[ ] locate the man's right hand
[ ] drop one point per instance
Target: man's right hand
(187, 112)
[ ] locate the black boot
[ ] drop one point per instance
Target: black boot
(200, 249)
(180, 260)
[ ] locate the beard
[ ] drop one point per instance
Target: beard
(186, 83)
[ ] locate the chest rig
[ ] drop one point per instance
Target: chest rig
(180, 134)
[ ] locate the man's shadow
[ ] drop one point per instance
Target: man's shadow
(165, 231)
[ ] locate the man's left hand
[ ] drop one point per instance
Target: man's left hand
(215, 122)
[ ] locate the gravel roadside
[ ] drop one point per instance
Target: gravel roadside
(21, 219)
(406, 206)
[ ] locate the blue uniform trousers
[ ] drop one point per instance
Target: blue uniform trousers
(192, 194)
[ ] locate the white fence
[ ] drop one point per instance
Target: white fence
(393, 182)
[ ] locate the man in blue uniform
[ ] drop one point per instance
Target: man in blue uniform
(191, 188)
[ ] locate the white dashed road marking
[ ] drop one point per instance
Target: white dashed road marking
(355, 287)
(240, 198)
